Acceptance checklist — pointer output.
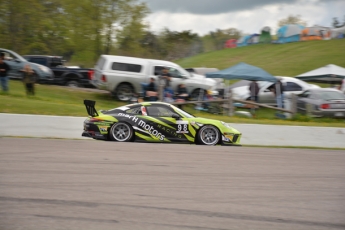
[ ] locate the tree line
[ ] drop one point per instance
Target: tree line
(82, 30)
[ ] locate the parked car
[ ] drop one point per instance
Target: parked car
(323, 102)
(17, 63)
(63, 75)
(123, 76)
(290, 84)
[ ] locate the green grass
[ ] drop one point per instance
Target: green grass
(52, 100)
(289, 59)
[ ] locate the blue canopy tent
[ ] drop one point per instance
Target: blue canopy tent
(243, 71)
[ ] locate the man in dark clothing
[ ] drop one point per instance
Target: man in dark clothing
(4, 68)
(278, 91)
(151, 91)
(254, 91)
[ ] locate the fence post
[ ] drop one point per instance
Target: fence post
(160, 93)
(230, 104)
(293, 104)
(309, 109)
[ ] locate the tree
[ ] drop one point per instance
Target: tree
(292, 19)
(337, 24)
(219, 37)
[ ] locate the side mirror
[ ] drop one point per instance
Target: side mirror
(175, 116)
(267, 90)
(16, 60)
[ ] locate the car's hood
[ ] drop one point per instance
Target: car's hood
(206, 121)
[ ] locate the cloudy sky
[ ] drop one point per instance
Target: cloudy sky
(203, 16)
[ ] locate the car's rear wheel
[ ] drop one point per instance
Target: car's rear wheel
(124, 92)
(121, 132)
(208, 135)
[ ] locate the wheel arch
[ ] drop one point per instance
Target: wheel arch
(196, 141)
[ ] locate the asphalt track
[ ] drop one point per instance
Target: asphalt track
(78, 184)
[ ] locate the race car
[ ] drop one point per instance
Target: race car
(156, 122)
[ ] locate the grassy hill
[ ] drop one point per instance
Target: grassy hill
(289, 59)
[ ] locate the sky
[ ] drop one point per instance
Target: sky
(249, 16)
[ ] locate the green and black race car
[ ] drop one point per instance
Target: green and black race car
(156, 122)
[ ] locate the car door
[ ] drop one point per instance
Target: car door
(266, 96)
(161, 119)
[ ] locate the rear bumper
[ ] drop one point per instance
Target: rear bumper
(94, 135)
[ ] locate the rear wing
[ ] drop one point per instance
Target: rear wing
(90, 108)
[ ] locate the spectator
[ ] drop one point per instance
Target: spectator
(29, 79)
(278, 91)
(4, 68)
(342, 86)
(151, 90)
(182, 92)
(254, 91)
(167, 78)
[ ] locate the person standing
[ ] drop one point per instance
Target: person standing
(254, 91)
(278, 90)
(4, 68)
(29, 79)
(167, 78)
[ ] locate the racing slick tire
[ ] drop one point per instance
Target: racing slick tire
(121, 132)
(208, 135)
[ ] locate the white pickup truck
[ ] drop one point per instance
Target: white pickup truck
(122, 76)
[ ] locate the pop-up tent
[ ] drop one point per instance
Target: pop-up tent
(265, 36)
(248, 40)
(338, 32)
(243, 71)
(328, 73)
(289, 33)
(315, 33)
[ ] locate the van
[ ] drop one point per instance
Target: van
(123, 76)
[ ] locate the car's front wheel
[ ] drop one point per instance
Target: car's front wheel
(121, 132)
(208, 135)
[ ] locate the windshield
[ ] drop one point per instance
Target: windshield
(185, 72)
(182, 112)
(331, 95)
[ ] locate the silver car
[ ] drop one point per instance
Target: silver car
(291, 86)
(322, 103)
(17, 63)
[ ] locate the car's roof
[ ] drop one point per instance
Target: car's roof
(148, 103)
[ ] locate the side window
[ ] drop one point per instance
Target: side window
(305, 94)
(175, 73)
(126, 67)
(134, 111)
(159, 111)
(41, 61)
(157, 70)
(292, 86)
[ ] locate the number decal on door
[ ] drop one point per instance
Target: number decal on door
(182, 127)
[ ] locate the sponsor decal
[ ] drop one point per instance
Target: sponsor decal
(103, 128)
(147, 127)
(182, 126)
